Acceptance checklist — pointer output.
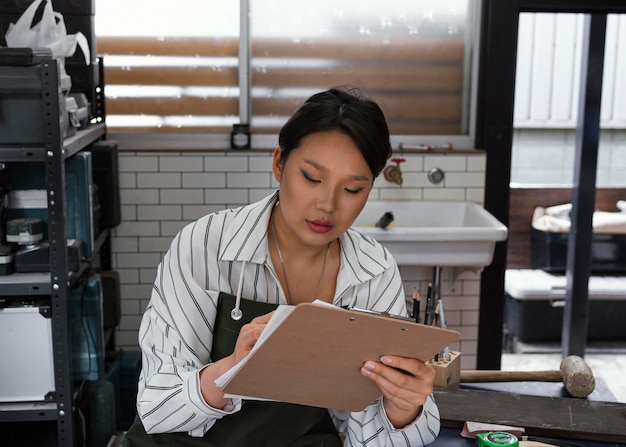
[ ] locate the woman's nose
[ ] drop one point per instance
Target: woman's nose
(326, 201)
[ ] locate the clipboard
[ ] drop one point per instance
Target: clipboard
(314, 356)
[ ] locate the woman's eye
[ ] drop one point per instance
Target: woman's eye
(309, 177)
(312, 179)
(354, 191)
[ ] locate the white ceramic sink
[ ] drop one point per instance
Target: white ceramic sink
(429, 233)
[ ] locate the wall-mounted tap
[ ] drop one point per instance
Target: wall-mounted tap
(392, 173)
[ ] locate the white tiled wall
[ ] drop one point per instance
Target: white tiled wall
(163, 191)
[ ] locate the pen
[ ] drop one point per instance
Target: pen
(435, 323)
(442, 321)
(416, 305)
(427, 315)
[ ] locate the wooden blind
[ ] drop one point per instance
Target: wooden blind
(418, 83)
(152, 70)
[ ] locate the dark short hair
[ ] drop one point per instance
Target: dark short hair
(344, 110)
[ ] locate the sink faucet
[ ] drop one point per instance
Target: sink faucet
(392, 173)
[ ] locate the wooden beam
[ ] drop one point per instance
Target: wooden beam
(183, 106)
(171, 46)
(172, 76)
(366, 49)
(401, 129)
(431, 110)
(430, 79)
(407, 49)
(560, 417)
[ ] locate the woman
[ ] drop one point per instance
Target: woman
(294, 246)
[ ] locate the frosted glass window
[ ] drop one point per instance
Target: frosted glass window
(174, 67)
(412, 57)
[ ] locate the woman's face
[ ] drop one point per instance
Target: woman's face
(324, 185)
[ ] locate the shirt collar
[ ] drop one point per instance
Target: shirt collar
(246, 234)
(361, 257)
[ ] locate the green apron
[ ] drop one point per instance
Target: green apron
(258, 423)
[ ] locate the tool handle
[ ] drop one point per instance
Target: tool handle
(469, 376)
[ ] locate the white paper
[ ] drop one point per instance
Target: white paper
(280, 315)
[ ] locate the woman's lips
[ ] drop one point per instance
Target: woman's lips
(319, 226)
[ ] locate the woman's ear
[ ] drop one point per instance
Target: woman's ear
(277, 164)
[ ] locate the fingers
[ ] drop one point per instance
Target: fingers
(263, 319)
(249, 334)
(406, 383)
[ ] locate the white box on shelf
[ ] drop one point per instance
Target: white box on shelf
(26, 368)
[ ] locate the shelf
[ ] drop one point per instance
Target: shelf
(25, 284)
(19, 284)
(27, 411)
(40, 283)
(71, 146)
(82, 139)
(45, 144)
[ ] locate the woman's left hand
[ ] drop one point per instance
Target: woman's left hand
(405, 383)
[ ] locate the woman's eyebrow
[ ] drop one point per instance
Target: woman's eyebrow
(325, 169)
(316, 165)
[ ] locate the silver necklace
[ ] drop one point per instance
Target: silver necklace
(282, 263)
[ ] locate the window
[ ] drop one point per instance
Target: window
(548, 71)
(547, 99)
(170, 67)
(174, 68)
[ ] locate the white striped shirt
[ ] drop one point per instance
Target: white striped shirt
(175, 335)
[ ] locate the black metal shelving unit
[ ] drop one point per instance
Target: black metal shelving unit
(56, 284)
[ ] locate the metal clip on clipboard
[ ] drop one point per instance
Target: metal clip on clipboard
(382, 314)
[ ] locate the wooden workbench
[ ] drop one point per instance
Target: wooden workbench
(542, 408)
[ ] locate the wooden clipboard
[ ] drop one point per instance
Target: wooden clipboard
(314, 356)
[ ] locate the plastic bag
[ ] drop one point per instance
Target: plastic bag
(50, 32)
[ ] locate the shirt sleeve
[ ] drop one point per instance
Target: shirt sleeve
(371, 427)
(175, 336)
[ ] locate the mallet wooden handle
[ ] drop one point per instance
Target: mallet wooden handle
(468, 376)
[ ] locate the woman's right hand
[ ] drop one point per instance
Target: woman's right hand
(246, 340)
(248, 337)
